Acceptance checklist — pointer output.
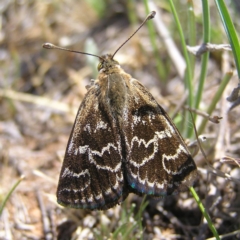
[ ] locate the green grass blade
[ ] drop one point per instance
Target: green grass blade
(230, 31)
(188, 74)
(215, 100)
(205, 57)
(9, 194)
(192, 31)
(152, 34)
(205, 214)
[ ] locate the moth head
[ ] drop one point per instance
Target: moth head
(107, 62)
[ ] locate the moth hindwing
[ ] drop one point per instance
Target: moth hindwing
(122, 141)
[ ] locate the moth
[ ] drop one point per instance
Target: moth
(122, 141)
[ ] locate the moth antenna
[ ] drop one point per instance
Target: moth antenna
(149, 16)
(52, 46)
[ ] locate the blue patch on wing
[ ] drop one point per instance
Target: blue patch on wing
(145, 188)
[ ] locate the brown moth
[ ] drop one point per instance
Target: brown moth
(122, 141)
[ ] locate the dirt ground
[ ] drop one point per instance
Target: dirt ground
(40, 92)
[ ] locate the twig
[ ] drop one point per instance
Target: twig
(208, 47)
(5, 219)
(41, 101)
(45, 220)
(218, 173)
(53, 224)
(172, 49)
(231, 234)
(231, 160)
(214, 119)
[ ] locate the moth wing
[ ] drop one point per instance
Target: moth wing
(158, 162)
(91, 175)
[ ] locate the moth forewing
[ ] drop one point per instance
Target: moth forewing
(91, 175)
(158, 161)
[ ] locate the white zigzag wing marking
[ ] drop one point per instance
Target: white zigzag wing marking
(158, 161)
(91, 174)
